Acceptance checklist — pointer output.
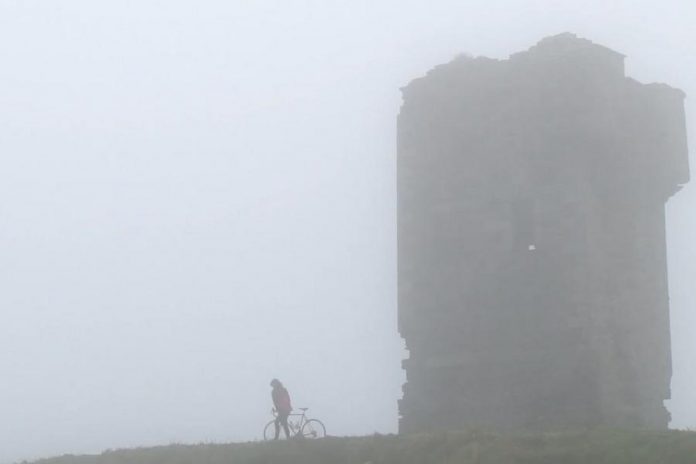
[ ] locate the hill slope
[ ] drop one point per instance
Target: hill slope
(475, 447)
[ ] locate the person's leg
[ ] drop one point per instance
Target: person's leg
(277, 427)
(284, 421)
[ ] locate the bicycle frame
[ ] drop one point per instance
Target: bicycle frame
(296, 425)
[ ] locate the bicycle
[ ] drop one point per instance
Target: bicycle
(300, 426)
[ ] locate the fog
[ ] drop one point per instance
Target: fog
(196, 197)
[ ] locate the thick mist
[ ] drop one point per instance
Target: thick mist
(196, 198)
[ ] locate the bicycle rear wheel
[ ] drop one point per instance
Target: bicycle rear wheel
(313, 428)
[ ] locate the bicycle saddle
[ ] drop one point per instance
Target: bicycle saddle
(303, 409)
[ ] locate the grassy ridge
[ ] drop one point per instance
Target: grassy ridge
(466, 447)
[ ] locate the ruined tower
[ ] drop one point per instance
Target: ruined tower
(532, 277)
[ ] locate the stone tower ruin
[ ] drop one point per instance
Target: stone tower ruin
(532, 277)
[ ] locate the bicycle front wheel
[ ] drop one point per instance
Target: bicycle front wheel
(313, 428)
(269, 431)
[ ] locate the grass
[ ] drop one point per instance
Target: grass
(462, 447)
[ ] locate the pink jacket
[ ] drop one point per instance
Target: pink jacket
(281, 399)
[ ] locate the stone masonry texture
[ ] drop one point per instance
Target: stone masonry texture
(532, 277)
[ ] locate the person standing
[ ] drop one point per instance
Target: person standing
(283, 407)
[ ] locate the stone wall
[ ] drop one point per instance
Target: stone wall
(532, 278)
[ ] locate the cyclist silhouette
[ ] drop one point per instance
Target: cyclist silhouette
(281, 402)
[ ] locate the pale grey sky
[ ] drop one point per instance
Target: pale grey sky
(196, 197)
